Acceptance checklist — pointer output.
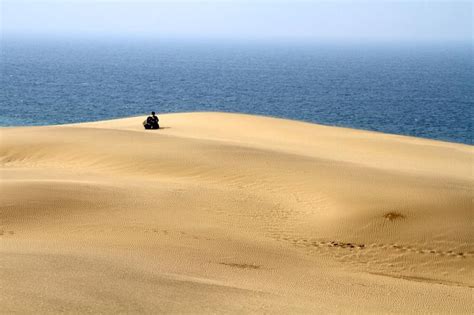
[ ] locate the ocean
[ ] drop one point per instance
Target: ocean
(417, 89)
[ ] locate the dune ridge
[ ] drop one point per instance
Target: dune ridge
(233, 213)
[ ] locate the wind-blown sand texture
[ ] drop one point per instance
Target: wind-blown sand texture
(230, 213)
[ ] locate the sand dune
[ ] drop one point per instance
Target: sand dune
(230, 213)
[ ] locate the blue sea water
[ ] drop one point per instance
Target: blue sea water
(423, 90)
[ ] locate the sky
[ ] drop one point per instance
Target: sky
(240, 19)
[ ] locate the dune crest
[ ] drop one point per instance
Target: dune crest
(233, 213)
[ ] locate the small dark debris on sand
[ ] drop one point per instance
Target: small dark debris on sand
(391, 216)
(241, 266)
(346, 245)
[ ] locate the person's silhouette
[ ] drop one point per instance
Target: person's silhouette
(152, 122)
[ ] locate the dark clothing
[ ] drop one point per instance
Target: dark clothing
(152, 122)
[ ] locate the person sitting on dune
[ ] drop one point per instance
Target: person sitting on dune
(151, 122)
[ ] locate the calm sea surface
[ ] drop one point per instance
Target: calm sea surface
(421, 90)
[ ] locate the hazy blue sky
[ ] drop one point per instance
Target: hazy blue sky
(344, 20)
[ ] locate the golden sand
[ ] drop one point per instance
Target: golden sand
(230, 213)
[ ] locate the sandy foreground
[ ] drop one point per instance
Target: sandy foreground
(230, 213)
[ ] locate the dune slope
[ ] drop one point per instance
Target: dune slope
(233, 213)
